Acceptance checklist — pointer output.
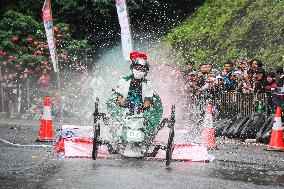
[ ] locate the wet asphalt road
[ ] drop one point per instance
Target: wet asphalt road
(237, 165)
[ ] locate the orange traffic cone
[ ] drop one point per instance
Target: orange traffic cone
(208, 135)
(276, 138)
(46, 131)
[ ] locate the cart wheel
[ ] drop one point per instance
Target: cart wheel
(170, 147)
(96, 111)
(96, 142)
(111, 150)
(172, 118)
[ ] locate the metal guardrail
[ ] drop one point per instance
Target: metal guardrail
(228, 104)
(232, 103)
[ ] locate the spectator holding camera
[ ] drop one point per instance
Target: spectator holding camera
(248, 82)
(202, 73)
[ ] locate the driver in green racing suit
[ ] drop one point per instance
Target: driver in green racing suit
(134, 94)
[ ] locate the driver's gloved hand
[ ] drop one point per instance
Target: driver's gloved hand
(145, 108)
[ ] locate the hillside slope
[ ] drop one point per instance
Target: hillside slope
(221, 30)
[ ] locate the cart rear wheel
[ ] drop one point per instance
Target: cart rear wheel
(96, 142)
(170, 148)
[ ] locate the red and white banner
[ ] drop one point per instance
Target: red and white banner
(126, 41)
(48, 25)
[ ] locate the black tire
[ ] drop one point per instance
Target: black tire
(238, 127)
(111, 150)
(227, 127)
(265, 138)
(223, 124)
(250, 130)
(219, 126)
(263, 128)
(238, 131)
(170, 148)
(173, 117)
(96, 142)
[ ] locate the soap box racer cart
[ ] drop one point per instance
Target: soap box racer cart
(129, 138)
(75, 141)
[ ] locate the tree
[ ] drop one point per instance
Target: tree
(23, 42)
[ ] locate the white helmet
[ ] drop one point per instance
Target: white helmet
(139, 65)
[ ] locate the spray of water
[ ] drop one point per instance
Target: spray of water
(165, 76)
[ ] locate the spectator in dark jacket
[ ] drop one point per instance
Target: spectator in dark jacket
(260, 81)
(280, 77)
(270, 78)
(227, 75)
(255, 64)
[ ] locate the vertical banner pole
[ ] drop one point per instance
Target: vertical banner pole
(2, 95)
(48, 25)
(126, 39)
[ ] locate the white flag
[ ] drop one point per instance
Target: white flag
(48, 25)
(126, 41)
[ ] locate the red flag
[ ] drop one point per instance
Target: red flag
(46, 11)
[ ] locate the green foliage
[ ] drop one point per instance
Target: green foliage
(232, 29)
(29, 60)
(19, 24)
(79, 46)
(23, 42)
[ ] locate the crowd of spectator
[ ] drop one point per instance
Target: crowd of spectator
(244, 76)
(23, 90)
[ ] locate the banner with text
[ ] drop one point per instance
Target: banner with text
(126, 40)
(48, 25)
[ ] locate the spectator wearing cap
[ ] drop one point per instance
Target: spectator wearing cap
(211, 83)
(280, 77)
(260, 80)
